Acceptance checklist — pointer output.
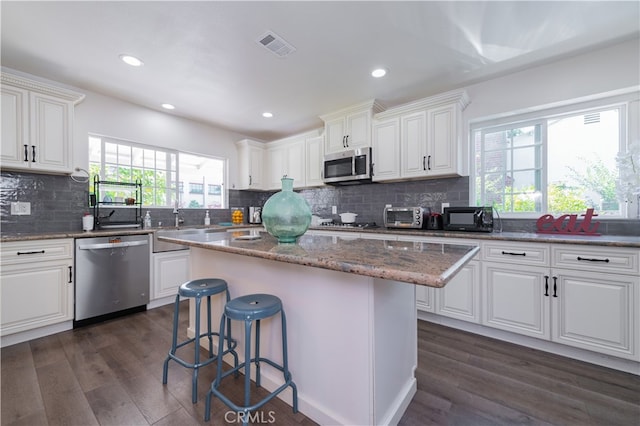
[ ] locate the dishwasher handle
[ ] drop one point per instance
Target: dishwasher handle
(122, 244)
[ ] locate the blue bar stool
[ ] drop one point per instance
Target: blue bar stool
(253, 307)
(198, 289)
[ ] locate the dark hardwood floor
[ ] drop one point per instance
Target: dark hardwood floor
(111, 374)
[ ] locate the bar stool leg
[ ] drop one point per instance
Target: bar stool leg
(174, 339)
(247, 361)
(209, 326)
(285, 361)
(194, 380)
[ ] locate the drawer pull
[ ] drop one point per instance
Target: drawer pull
(587, 259)
(30, 252)
(510, 253)
(546, 285)
(555, 286)
(70, 275)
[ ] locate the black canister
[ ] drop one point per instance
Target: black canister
(434, 221)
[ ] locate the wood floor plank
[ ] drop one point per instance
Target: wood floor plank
(111, 373)
(20, 395)
(154, 402)
(112, 405)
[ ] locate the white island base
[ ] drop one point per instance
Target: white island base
(352, 339)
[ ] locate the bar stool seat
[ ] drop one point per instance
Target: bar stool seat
(197, 289)
(250, 308)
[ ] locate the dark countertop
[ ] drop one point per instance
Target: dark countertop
(9, 237)
(429, 264)
(603, 240)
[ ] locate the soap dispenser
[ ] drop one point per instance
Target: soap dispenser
(207, 219)
(147, 220)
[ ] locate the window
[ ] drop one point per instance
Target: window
(161, 171)
(563, 162)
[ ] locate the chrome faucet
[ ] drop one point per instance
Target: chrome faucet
(176, 212)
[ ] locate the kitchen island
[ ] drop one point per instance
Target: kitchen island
(351, 315)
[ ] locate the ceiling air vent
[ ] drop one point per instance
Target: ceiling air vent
(276, 44)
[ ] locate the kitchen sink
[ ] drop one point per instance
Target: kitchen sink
(162, 246)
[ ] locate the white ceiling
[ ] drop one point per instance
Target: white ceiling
(204, 57)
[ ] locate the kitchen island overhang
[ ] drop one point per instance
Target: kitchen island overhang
(421, 263)
(352, 335)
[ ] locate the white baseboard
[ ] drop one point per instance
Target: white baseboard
(603, 360)
(36, 333)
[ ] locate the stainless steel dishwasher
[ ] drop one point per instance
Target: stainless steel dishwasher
(112, 276)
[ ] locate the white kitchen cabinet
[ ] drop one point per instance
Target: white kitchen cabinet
(349, 128)
(170, 270)
(596, 298)
(286, 157)
(427, 142)
(36, 284)
(386, 149)
(460, 297)
(37, 125)
(586, 297)
(250, 164)
(431, 141)
(314, 161)
(514, 298)
(596, 311)
(425, 298)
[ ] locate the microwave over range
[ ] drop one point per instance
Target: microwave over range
(470, 219)
(348, 167)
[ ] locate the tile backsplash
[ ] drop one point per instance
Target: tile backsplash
(58, 203)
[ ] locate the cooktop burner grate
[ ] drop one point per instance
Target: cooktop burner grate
(349, 225)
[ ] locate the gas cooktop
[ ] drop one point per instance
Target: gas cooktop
(349, 225)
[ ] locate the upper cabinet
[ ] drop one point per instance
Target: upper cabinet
(428, 140)
(37, 125)
(314, 158)
(299, 157)
(349, 128)
(250, 164)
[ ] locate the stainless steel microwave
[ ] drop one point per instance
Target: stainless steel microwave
(405, 217)
(347, 167)
(470, 219)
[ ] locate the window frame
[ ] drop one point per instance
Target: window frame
(543, 114)
(178, 190)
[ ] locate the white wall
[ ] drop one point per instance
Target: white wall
(108, 116)
(604, 70)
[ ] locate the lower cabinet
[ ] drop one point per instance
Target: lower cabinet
(460, 298)
(170, 270)
(513, 299)
(580, 304)
(596, 311)
(36, 284)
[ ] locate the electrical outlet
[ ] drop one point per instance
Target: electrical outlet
(444, 205)
(334, 210)
(20, 208)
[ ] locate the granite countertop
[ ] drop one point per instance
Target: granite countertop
(603, 240)
(429, 264)
(9, 237)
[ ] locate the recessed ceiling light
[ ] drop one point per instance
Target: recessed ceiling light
(131, 60)
(379, 72)
(267, 114)
(168, 106)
